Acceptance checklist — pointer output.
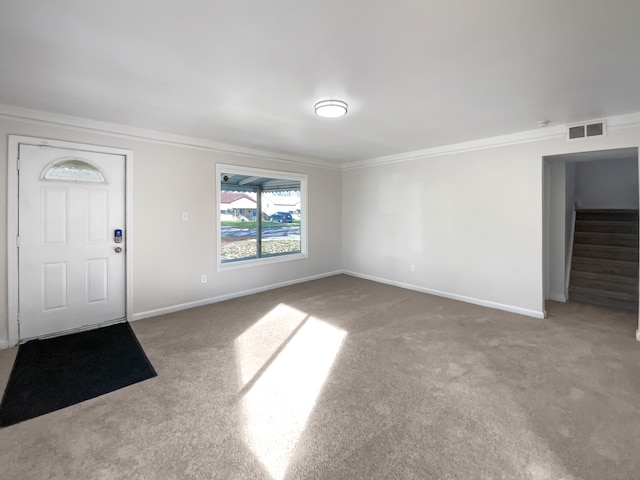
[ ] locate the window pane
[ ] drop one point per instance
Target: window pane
(281, 233)
(260, 216)
(238, 231)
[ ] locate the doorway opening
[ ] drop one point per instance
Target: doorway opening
(600, 189)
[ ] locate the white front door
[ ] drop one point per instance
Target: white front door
(71, 267)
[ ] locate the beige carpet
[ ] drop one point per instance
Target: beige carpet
(342, 378)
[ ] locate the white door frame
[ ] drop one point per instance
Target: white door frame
(12, 220)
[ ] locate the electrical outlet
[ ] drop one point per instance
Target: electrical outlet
(203, 279)
(412, 267)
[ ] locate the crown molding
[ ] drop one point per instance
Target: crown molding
(124, 131)
(470, 146)
(621, 121)
(528, 136)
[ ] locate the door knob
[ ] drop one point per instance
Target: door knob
(118, 249)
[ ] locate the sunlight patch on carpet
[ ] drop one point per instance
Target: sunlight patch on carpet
(259, 343)
(278, 404)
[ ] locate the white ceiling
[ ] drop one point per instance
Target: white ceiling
(416, 74)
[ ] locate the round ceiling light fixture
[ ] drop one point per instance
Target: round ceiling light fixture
(331, 108)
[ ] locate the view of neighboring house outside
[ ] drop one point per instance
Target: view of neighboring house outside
(272, 203)
(237, 206)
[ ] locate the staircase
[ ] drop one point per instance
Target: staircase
(604, 265)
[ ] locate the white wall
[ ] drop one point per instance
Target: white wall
(607, 184)
(170, 255)
(569, 205)
(471, 222)
(557, 220)
(570, 199)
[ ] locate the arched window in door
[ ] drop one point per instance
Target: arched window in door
(73, 170)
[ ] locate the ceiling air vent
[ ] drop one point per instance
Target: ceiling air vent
(594, 129)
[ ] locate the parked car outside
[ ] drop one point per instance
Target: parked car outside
(282, 217)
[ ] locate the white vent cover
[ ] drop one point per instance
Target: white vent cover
(594, 129)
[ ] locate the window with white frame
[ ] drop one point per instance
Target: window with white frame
(262, 216)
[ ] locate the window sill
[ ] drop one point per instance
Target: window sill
(255, 262)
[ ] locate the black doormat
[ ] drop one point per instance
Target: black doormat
(58, 372)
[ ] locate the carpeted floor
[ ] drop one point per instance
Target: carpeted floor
(342, 378)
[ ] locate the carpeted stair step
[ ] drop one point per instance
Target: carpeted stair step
(608, 215)
(606, 266)
(602, 293)
(606, 227)
(612, 239)
(629, 254)
(614, 300)
(599, 281)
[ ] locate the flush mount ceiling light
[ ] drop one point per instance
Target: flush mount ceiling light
(331, 108)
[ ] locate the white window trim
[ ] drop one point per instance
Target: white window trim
(260, 172)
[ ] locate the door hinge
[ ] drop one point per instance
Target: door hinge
(18, 241)
(18, 164)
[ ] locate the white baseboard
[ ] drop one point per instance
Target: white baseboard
(453, 296)
(4, 344)
(638, 335)
(229, 296)
(558, 297)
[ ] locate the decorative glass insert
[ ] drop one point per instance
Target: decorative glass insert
(74, 170)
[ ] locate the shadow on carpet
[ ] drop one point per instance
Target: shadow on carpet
(58, 372)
